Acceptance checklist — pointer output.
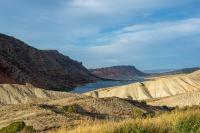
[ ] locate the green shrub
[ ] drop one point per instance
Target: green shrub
(74, 108)
(138, 113)
(13, 128)
(189, 124)
(144, 102)
(129, 98)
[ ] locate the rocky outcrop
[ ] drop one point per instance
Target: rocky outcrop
(20, 63)
(118, 72)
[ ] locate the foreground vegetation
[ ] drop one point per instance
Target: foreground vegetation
(17, 127)
(185, 120)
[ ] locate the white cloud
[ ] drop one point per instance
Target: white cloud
(136, 37)
(117, 6)
(79, 15)
(137, 43)
(88, 5)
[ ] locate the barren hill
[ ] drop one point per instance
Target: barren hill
(159, 87)
(195, 75)
(181, 100)
(44, 110)
(118, 72)
(20, 64)
(17, 94)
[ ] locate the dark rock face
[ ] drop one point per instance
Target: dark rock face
(118, 72)
(20, 63)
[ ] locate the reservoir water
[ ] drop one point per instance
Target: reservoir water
(98, 85)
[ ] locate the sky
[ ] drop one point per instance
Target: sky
(149, 34)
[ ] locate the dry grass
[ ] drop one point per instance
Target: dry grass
(164, 123)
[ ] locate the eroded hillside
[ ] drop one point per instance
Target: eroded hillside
(159, 87)
(49, 110)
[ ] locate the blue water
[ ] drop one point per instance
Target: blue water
(98, 85)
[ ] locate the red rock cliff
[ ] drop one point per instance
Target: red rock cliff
(20, 63)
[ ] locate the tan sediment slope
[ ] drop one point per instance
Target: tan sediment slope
(44, 111)
(181, 100)
(195, 75)
(156, 88)
(14, 94)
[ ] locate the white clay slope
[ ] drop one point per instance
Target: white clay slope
(156, 88)
(181, 100)
(14, 94)
(195, 75)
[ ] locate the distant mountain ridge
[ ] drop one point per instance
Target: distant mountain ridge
(20, 63)
(185, 70)
(118, 72)
(176, 71)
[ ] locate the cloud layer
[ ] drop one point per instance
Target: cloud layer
(147, 42)
(146, 33)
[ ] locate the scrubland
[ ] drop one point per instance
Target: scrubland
(185, 120)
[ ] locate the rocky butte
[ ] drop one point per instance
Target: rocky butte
(118, 72)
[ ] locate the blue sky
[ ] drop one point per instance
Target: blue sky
(150, 34)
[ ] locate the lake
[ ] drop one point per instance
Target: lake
(100, 84)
